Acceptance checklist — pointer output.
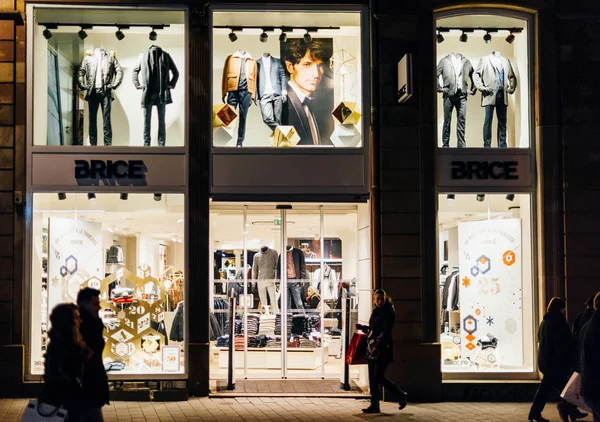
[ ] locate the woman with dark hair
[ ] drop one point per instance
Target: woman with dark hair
(380, 350)
(555, 355)
(65, 357)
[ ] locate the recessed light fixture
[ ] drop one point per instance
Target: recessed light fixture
(307, 37)
(157, 196)
(124, 196)
(510, 197)
(487, 37)
(91, 196)
(450, 197)
(463, 37)
(440, 38)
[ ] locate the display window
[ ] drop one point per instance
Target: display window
(483, 80)
(131, 248)
(287, 79)
(486, 287)
(108, 77)
(288, 271)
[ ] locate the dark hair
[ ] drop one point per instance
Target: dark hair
(555, 304)
(86, 294)
(63, 328)
(346, 285)
(296, 49)
(589, 302)
(388, 298)
(597, 301)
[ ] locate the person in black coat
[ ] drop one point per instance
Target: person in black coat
(64, 362)
(95, 380)
(380, 350)
(555, 362)
(590, 361)
(580, 321)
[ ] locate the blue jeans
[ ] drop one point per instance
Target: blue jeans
(487, 123)
(294, 293)
(162, 131)
(458, 102)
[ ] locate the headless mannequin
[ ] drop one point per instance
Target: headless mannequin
(264, 270)
(272, 89)
(296, 268)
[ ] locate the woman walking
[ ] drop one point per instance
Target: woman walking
(380, 350)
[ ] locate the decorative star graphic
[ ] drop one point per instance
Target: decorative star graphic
(466, 281)
(490, 321)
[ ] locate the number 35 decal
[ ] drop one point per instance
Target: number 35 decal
(489, 286)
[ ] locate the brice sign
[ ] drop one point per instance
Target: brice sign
(483, 170)
(100, 169)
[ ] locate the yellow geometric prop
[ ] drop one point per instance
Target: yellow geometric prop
(223, 115)
(346, 113)
(284, 137)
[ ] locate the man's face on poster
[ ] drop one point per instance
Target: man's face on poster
(307, 73)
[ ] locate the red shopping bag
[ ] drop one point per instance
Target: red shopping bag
(355, 355)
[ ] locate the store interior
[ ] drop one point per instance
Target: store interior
(130, 247)
(242, 237)
(475, 37)
(486, 285)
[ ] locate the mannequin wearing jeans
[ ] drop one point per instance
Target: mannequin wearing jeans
(296, 271)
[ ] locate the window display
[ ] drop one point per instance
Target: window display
(484, 57)
(107, 69)
(486, 283)
(287, 79)
(130, 247)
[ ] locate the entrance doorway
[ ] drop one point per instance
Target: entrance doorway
(287, 267)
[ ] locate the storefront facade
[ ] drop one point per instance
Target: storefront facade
(460, 224)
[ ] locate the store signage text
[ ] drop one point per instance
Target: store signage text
(110, 172)
(484, 170)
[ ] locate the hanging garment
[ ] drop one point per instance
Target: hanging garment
(177, 329)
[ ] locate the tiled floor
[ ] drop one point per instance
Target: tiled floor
(298, 409)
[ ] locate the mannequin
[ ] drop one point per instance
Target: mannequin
(272, 89)
(264, 270)
(239, 86)
(495, 78)
(296, 270)
(454, 72)
(99, 74)
(156, 84)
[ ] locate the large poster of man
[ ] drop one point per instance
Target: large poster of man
(310, 89)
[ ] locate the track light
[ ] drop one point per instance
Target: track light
(91, 196)
(283, 37)
(124, 196)
(307, 37)
(510, 197)
(264, 37)
(440, 38)
(463, 37)
(157, 196)
(480, 197)
(510, 38)
(47, 34)
(487, 37)
(232, 36)
(152, 36)
(82, 34)
(62, 196)
(119, 34)
(450, 197)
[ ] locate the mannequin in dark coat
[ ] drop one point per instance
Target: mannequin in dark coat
(590, 361)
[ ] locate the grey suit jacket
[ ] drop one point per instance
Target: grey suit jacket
(449, 87)
(485, 80)
(277, 76)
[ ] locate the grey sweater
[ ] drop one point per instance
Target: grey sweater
(264, 265)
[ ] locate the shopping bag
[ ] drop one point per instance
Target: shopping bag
(37, 411)
(355, 355)
(572, 390)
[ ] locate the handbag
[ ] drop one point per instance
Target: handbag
(36, 411)
(572, 392)
(355, 354)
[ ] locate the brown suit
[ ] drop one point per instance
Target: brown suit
(231, 75)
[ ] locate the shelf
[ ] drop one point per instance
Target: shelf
(316, 261)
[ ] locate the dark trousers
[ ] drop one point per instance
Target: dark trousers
(487, 123)
(96, 100)
(271, 106)
(240, 99)
(458, 102)
(377, 378)
(293, 291)
(550, 382)
(162, 130)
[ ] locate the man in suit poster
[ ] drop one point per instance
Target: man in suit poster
(310, 89)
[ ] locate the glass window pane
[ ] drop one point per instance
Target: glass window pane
(131, 248)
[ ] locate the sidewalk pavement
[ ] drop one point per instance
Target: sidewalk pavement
(255, 409)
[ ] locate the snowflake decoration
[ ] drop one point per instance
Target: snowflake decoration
(490, 321)
(340, 62)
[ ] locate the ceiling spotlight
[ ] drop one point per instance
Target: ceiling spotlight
(307, 38)
(232, 36)
(119, 34)
(152, 36)
(487, 37)
(47, 34)
(91, 196)
(440, 37)
(480, 197)
(62, 196)
(157, 196)
(510, 38)
(124, 196)
(463, 37)
(283, 37)
(510, 197)
(264, 36)
(450, 197)
(82, 34)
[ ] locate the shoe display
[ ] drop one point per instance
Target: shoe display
(371, 409)
(403, 400)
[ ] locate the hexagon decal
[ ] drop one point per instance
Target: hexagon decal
(470, 324)
(71, 264)
(483, 266)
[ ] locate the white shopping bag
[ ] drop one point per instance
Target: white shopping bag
(572, 390)
(40, 412)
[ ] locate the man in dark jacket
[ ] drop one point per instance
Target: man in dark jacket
(95, 380)
(580, 321)
(590, 361)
